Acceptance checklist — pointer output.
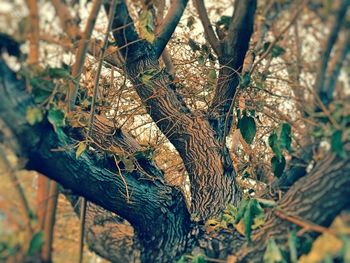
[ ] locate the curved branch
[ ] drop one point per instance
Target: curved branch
(123, 28)
(107, 234)
(168, 25)
(208, 29)
(332, 38)
(80, 55)
(157, 211)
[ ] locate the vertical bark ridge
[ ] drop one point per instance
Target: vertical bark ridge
(210, 170)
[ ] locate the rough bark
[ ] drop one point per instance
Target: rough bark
(106, 233)
(209, 166)
(157, 211)
(231, 56)
(314, 199)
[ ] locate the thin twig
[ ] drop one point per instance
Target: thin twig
(33, 54)
(284, 30)
(15, 181)
(81, 54)
(307, 226)
(91, 123)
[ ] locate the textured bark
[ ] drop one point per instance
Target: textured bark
(209, 166)
(314, 199)
(106, 233)
(158, 212)
(233, 49)
(210, 170)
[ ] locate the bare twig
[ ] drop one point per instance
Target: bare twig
(306, 226)
(81, 54)
(279, 36)
(91, 123)
(46, 252)
(33, 55)
(165, 54)
(15, 181)
(332, 38)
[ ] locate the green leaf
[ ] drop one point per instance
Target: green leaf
(41, 89)
(193, 45)
(199, 258)
(36, 243)
(275, 145)
(212, 74)
(57, 73)
(337, 145)
(253, 211)
(81, 148)
(285, 137)
(278, 165)
(245, 81)
(224, 21)
(241, 210)
(201, 59)
(34, 115)
(147, 26)
(277, 51)
(182, 259)
(292, 243)
(247, 127)
(56, 118)
(147, 75)
(248, 222)
(272, 254)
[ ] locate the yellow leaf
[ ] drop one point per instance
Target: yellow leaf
(129, 164)
(240, 227)
(325, 245)
(80, 150)
(34, 115)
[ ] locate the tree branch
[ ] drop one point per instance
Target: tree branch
(318, 198)
(33, 57)
(80, 55)
(190, 134)
(208, 29)
(152, 206)
(69, 25)
(123, 28)
(107, 234)
(168, 26)
(332, 38)
(336, 65)
(231, 60)
(165, 54)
